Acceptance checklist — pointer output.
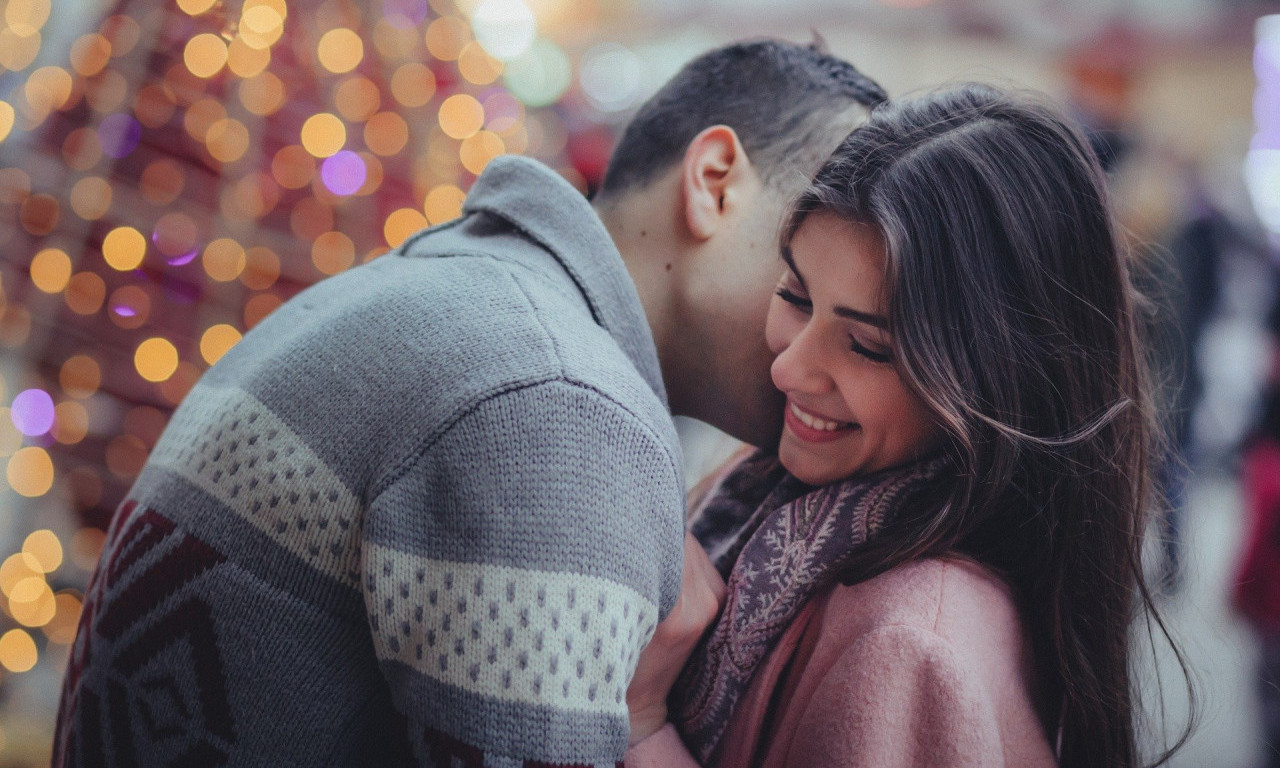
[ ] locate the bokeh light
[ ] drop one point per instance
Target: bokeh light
(506, 28)
(611, 77)
(477, 66)
(44, 546)
(50, 270)
(461, 116)
(61, 629)
(71, 422)
(357, 98)
(17, 651)
(386, 133)
(413, 84)
(156, 359)
(444, 203)
(85, 293)
(539, 76)
(343, 173)
(80, 376)
(124, 248)
(479, 149)
(447, 36)
(118, 135)
(196, 7)
(32, 412)
(224, 259)
(205, 55)
(333, 252)
(401, 224)
(90, 54)
(293, 167)
(91, 198)
(340, 50)
(263, 95)
(323, 134)
(30, 471)
(217, 341)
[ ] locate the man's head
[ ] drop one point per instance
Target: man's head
(694, 196)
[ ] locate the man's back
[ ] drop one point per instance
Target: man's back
(444, 483)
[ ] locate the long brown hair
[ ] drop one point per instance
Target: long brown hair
(1014, 317)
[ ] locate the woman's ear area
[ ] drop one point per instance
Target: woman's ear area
(714, 172)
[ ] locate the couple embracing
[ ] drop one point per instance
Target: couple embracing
(431, 511)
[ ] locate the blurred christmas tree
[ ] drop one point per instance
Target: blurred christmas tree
(171, 175)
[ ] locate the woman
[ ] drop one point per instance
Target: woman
(945, 568)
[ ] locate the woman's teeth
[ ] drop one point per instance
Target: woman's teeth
(815, 423)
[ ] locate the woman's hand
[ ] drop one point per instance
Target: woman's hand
(702, 594)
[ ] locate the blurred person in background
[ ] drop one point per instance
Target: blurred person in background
(431, 508)
(941, 564)
(1256, 595)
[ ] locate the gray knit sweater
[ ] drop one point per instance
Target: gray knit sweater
(429, 510)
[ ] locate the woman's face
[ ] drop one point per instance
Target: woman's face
(848, 412)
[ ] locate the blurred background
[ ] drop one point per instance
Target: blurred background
(172, 170)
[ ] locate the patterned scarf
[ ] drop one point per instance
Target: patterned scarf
(776, 541)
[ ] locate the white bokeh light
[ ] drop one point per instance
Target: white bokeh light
(541, 75)
(505, 28)
(611, 77)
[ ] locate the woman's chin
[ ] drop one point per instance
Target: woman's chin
(805, 469)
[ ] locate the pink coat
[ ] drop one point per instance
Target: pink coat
(925, 665)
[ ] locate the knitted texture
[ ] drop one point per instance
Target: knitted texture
(427, 512)
(781, 541)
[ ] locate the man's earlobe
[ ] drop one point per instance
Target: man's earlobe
(714, 164)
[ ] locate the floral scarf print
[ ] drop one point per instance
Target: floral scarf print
(777, 541)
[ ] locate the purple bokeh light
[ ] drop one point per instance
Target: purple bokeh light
(124, 310)
(184, 259)
(32, 412)
(343, 173)
(405, 13)
(119, 134)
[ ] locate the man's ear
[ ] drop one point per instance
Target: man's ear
(714, 168)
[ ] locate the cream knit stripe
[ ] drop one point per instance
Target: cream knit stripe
(230, 445)
(564, 640)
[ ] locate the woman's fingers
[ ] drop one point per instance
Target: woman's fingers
(701, 595)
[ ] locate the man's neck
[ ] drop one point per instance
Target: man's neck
(647, 237)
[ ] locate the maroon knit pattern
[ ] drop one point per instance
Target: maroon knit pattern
(141, 704)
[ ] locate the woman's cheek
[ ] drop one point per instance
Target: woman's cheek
(779, 329)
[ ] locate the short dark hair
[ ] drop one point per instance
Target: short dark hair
(785, 101)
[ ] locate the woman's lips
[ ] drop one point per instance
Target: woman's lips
(813, 428)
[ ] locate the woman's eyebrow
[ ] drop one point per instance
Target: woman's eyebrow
(879, 321)
(791, 265)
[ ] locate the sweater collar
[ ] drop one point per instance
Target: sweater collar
(539, 203)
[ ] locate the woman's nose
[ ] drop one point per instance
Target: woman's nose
(800, 366)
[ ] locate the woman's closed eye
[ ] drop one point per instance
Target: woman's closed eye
(874, 356)
(794, 299)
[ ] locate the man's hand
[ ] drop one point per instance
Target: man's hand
(702, 594)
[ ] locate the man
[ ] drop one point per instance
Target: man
(440, 495)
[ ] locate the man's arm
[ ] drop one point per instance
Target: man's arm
(515, 569)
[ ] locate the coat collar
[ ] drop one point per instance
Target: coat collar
(544, 207)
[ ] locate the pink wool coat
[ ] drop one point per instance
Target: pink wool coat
(925, 665)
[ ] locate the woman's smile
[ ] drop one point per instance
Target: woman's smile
(813, 427)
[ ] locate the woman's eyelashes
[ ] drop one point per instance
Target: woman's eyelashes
(794, 299)
(870, 354)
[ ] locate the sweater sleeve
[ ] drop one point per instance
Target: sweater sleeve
(513, 572)
(899, 697)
